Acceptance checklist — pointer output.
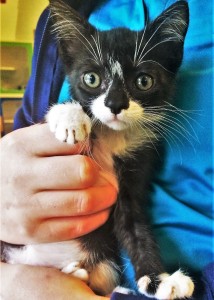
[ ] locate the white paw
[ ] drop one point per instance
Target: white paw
(69, 122)
(171, 287)
(75, 270)
(175, 286)
(143, 284)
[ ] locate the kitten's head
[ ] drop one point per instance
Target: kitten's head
(119, 75)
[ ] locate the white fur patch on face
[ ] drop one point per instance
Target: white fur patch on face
(116, 68)
(125, 119)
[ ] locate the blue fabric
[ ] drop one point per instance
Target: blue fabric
(208, 280)
(64, 92)
(182, 204)
(46, 77)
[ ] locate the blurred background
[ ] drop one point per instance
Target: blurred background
(18, 24)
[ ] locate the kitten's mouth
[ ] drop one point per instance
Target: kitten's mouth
(115, 123)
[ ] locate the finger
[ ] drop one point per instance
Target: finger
(61, 229)
(42, 142)
(74, 203)
(64, 172)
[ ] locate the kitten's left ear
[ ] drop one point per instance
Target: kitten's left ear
(168, 32)
(71, 30)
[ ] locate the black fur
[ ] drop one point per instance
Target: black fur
(128, 226)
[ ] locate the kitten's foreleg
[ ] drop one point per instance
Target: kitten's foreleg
(69, 122)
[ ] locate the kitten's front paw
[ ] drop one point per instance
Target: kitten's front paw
(167, 287)
(69, 122)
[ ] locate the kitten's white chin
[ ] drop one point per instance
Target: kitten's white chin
(116, 125)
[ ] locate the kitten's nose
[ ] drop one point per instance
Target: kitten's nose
(116, 104)
(116, 107)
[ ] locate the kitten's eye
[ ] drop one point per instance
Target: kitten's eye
(144, 82)
(92, 80)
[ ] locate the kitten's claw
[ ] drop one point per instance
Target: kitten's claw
(170, 287)
(69, 122)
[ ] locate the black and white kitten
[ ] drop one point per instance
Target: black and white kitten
(120, 80)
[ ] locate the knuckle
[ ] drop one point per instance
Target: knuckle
(84, 204)
(88, 171)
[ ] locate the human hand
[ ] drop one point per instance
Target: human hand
(26, 282)
(49, 192)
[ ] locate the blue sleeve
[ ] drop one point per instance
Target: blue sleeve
(46, 77)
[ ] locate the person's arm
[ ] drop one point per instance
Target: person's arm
(26, 282)
(49, 192)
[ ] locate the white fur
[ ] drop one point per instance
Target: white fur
(75, 269)
(123, 120)
(116, 68)
(69, 122)
(57, 255)
(171, 287)
(123, 290)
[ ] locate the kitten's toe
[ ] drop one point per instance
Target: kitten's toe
(123, 290)
(72, 267)
(175, 286)
(166, 287)
(147, 285)
(69, 123)
(81, 274)
(75, 270)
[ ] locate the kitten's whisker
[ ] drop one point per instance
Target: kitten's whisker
(63, 24)
(176, 133)
(172, 32)
(181, 113)
(137, 48)
(157, 44)
(184, 115)
(169, 137)
(151, 37)
(97, 46)
(155, 62)
(145, 130)
(174, 121)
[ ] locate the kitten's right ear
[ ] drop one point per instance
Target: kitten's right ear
(72, 31)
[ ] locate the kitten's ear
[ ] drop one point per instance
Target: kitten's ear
(71, 30)
(167, 34)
